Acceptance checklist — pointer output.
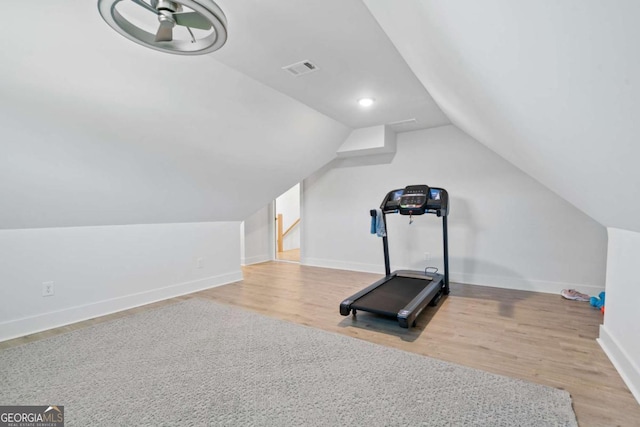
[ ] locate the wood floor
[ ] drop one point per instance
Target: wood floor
(290, 255)
(537, 337)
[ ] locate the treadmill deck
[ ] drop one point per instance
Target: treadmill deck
(392, 296)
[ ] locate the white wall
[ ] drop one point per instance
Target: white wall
(103, 269)
(257, 237)
(620, 334)
(549, 85)
(288, 204)
(505, 228)
(367, 141)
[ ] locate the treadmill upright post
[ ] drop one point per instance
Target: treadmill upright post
(445, 240)
(385, 245)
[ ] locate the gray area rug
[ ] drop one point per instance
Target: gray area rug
(197, 363)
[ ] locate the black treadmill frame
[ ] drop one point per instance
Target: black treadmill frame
(430, 294)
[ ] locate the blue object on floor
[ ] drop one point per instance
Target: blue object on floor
(598, 301)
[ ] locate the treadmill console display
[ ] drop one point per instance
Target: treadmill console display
(416, 200)
(396, 194)
(391, 203)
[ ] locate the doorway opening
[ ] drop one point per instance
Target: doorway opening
(287, 217)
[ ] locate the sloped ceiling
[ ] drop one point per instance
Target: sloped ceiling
(355, 57)
(97, 130)
(552, 86)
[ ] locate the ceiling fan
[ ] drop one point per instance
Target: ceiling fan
(170, 14)
(199, 14)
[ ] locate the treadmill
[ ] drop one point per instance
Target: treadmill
(403, 294)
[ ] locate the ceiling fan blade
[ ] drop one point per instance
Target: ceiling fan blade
(145, 5)
(165, 32)
(192, 20)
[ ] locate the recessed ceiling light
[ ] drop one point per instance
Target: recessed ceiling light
(365, 102)
(184, 27)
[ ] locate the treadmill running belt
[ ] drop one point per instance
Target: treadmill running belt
(392, 296)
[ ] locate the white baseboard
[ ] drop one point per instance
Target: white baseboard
(30, 325)
(625, 366)
(522, 284)
(256, 259)
(504, 282)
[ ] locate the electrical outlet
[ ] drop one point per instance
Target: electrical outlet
(47, 289)
(427, 256)
(199, 262)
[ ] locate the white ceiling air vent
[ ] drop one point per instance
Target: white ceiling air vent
(300, 68)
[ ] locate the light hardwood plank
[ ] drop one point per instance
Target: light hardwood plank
(290, 255)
